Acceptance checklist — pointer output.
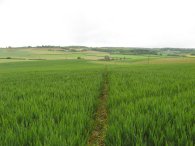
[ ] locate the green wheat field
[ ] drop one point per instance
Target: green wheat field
(53, 101)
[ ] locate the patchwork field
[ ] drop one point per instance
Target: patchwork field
(46, 54)
(33, 54)
(79, 102)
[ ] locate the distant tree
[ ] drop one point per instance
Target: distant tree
(193, 54)
(107, 58)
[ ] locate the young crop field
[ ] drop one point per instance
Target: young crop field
(151, 105)
(47, 107)
(78, 102)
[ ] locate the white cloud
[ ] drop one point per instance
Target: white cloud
(151, 23)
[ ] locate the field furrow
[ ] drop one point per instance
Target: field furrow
(100, 122)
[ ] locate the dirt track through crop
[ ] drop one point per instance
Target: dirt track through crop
(100, 124)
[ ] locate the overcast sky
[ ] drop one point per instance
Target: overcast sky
(137, 23)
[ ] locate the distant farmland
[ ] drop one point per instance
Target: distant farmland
(128, 55)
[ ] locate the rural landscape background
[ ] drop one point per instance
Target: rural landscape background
(76, 95)
(97, 73)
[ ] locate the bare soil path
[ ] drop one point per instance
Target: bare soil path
(100, 123)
